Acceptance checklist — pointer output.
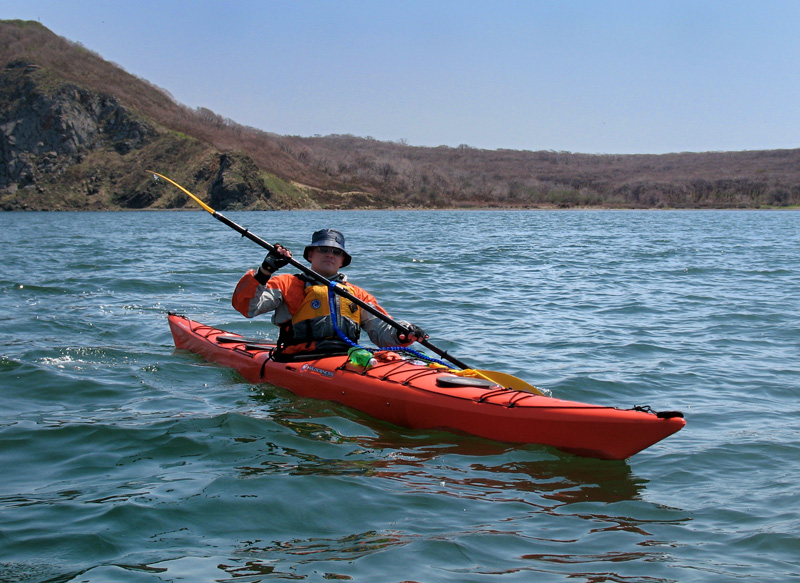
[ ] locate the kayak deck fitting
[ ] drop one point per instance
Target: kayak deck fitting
(411, 394)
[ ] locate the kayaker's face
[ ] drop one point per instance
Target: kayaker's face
(326, 263)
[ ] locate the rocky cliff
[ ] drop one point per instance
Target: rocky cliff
(47, 127)
(65, 147)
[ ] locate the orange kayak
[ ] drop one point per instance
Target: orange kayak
(411, 394)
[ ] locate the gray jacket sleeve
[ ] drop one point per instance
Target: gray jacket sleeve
(267, 299)
(381, 333)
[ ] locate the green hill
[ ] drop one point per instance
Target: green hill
(79, 132)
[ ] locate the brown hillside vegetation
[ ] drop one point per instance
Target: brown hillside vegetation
(344, 171)
(469, 176)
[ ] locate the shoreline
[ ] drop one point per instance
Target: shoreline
(413, 209)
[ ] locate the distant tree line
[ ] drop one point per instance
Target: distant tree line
(467, 176)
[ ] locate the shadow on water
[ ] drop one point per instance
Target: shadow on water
(479, 467)
(517, 498)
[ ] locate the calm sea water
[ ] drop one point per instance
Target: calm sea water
(125, 460)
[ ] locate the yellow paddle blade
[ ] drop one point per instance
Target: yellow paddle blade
(509, 381)
(197, 200)
(503, 379)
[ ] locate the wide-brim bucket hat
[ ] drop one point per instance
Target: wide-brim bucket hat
(328, 238)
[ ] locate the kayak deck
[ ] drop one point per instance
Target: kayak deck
(410, 394)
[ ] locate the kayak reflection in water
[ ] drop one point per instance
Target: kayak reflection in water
(310, 316)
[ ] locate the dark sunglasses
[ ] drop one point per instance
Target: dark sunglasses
(336, 251)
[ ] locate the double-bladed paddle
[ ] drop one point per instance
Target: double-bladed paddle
(502, 379)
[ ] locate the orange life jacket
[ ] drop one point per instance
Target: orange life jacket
(312, 325)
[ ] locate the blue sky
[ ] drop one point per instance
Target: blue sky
(592, 76)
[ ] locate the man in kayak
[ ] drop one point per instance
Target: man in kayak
(302, 308)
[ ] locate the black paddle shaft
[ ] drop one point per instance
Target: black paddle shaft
(337, 289)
